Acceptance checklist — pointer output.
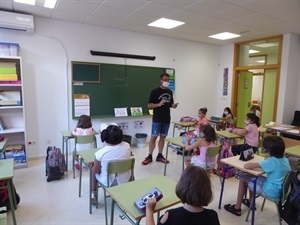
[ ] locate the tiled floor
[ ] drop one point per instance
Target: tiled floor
(57, 202)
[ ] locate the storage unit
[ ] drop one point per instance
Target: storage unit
(12, 111)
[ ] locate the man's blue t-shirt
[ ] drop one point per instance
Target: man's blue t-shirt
(276, 168)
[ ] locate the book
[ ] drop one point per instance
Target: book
(136, 111)
(120, 112)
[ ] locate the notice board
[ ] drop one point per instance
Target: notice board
(110, 86)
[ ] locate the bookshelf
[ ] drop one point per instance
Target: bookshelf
(12, 111)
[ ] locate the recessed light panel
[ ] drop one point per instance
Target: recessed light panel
(29, 2)
(50, 3)
(166, 23)
(251, 51)
(266, 45)
(224, 36)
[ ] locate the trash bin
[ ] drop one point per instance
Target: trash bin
(140, 140)
(127, 138)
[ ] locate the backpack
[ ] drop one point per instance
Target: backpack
(4, 199)
(291, 209)
(55, 164)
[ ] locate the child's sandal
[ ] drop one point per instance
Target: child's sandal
(247, 202)
(231, 208)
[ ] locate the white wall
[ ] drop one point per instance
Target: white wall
(225, 61)
(289, 88)
(47, 54)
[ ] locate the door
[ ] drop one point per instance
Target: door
(244, 96)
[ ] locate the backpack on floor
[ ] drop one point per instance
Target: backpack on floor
(55, 164)
(4, 198)
(291, 209)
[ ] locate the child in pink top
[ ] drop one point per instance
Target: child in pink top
(208, 139)
(250, 133)
(84, 127)
(201, 120)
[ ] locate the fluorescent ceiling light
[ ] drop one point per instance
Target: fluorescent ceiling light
(266, 45)
(29, 2)
(261, 61)
(165, 23)
(50, 3)
(224, 36)
(251, 51)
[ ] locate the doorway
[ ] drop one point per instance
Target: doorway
(256, 79)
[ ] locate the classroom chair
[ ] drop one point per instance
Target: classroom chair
(278, 202)
(115, 167)
(212, 152)
(82, 139)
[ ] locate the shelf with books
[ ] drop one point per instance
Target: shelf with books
(12, 109)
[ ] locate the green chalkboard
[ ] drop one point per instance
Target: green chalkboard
(86, 72)
(120, 86)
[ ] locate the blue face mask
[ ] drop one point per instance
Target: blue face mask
(225, 113)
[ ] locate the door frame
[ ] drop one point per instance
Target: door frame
(237, 69)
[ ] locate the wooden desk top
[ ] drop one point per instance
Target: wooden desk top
(176, 141)
(68, 133)
(184, 124)
(239, 164)
(280, 127)
(2, 144)
(88, 155)
(228, 135)
(215, 121)
(6, 169)
(293, 151)
(126, 194)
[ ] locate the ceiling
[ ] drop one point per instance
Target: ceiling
(252, 19)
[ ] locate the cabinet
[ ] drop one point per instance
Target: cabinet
(12, 112)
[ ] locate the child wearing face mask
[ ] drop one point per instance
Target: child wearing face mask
(250, 132)
(227, 117)
(208, 139)
(201, 121)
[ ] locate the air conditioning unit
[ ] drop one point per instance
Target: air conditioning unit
(16, 21)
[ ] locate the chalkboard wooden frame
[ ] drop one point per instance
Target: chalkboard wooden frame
(121, 86)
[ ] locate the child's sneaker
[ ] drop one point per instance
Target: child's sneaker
(77, 166)
(94, 198)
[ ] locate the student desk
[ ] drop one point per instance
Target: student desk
(229, 136)
(124, 195)
(178, 142)
(87, 156)
(182, 125)
(239, 165)
(7, 173)
(66, 136)
(2, 149)
(293, 151)
(279, 128)
(214, 123)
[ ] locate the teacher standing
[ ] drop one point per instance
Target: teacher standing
(160, 100)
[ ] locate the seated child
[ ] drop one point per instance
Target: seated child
(201, 120)
(276, 166)
(194, 191)
(250, 132)
(208, 138)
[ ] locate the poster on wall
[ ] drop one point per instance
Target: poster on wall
(225, 82)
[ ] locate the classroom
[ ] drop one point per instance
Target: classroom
(47, 55)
